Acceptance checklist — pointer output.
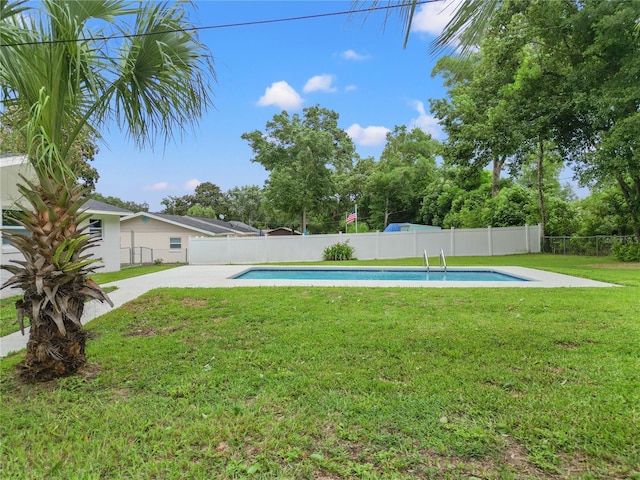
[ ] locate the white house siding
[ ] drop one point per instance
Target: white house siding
(155, 235)
(108, 250)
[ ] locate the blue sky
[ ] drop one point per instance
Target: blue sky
(355, 67)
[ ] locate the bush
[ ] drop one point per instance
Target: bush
(629, 252)
(339, 251)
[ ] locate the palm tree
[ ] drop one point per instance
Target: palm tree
(61, 74)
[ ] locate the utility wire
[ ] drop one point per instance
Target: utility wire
(212, 27)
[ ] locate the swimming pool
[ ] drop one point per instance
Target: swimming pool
(377, 274)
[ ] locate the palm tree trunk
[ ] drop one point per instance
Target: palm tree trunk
(53, 275)
(50, 354)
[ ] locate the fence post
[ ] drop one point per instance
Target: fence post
(490, 241)
(266, 248)
(526, 239)
(453, 242)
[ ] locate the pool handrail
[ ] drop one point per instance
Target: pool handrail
(426, 260)
(443, 260)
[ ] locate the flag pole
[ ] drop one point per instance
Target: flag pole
(356, 218)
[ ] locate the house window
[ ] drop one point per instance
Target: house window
(175, 243)
(95, 227)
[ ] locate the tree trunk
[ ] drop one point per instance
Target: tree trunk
(303, 220)
(541, 203)
(53, 275)
(50, 354)
(495, 175)
(386, 212)
(632, 198)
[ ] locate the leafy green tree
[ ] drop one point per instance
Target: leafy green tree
(245, 204)
(604, 212)
(606, 77)
(207, 197)
(479, 129)
(198, 210)
(126, 204)
(82, 151)
(176, 205)
(207, 194)
(302, 154)
(61, 77)
(397, 183)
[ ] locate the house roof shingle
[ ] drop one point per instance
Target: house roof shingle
(206, 225)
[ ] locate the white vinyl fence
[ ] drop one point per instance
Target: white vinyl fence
(378, 245)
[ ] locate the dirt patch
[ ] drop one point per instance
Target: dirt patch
(192, 302)
(122, 393)
(620, 266)
(89, 371)
(567, 345)
(144, 304)
(142, 332)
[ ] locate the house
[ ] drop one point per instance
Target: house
(104, 219)
(281, 231)
(148, 237)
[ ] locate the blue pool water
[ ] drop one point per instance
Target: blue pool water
(377, 274)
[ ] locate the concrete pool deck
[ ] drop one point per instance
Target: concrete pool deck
(218, 276)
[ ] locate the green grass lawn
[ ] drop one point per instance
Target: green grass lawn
(331, 383)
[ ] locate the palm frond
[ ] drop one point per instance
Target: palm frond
(164, 79)
(462, 33)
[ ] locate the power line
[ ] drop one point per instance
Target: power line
(214, 27)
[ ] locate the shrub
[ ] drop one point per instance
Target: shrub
(339, 251)
(158, 261)
(629, 252)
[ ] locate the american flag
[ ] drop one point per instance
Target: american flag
(352, 217)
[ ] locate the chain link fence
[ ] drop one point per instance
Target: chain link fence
(598, 245)
(136, 256)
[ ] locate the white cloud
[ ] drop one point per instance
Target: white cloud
(350, 88)
(281, 94)
(424, 122)
(192, 184)
(322, 83)
(158, 186)
(368, 136)
(434, 16)
(353, 55)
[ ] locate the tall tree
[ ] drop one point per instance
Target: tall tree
(479, 129)
(302, 154)
(61, 76)
(396, 186)
(607, 99)
(245, 204)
